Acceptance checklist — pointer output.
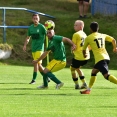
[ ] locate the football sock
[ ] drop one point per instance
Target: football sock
(112, 79)
(92, 80)
(34, 75)
(45, 81)
(82, 79)
(43, 75)
(53, 77)
(75, 80)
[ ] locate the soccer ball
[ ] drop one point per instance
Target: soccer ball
(49, 24)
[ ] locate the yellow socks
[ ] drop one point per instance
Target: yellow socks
(92, 80)
(112, 79)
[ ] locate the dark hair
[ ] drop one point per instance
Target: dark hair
(94, 26)
(35, 14)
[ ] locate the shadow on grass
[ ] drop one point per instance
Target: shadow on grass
(13, 83)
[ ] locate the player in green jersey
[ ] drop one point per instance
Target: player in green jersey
(97, 42)
(56, 46)
(37, 33)
(79, 60)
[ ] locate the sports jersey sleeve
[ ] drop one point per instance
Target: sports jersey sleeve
(108, 38)
(58, 38)
(28, 32)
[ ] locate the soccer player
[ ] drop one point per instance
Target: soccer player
(79, 60)
(37, 33)
(56, 46)
(97, 42)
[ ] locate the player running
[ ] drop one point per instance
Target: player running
(97, 42)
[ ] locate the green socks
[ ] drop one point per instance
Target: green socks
(53, 78)
(34, 76)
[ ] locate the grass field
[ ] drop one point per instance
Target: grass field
(19, 99)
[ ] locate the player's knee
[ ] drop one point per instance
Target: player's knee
(81, 77)
(92, 74)
(75, 79)
(106, 77)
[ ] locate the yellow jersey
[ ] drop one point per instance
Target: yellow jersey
(78, 39)
(97, 43)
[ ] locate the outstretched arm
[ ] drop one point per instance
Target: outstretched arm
(41, 57)
(73, 46)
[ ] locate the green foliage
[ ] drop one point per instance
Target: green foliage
(65, 11)
(5, 46)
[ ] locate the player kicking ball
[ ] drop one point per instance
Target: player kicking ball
(56, 46)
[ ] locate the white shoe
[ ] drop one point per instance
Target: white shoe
(58, 86)
(84, 86)
(42, 87)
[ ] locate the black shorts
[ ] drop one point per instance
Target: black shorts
(102, 66)
(84, 0)
(78, 63)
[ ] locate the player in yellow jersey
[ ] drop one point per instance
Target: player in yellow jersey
(97, 42)
(79, 60)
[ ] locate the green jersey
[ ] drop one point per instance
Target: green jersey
(57, 47)
(37, 34)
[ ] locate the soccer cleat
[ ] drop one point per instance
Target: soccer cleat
(77, 86)
(85, 92)
(58, 86)
(84, 86)
(48, 79)
(80, 17)
(32, 82)
(42, 87)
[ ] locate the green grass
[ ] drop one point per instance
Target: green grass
(19, 99)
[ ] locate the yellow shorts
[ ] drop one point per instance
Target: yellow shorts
(36, 55)
(55, 65)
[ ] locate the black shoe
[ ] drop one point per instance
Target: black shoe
(80, 17)
(32, 82)
(85, 16)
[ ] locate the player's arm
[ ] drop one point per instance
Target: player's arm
(26, 42)
(113, 41)
(89, 47)
(41, 57)
(67, 40)
(84, 48)
(114, 45)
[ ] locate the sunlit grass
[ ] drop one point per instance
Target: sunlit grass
(18, 98)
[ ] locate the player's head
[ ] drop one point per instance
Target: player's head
(78, 25)
(94, 26)
(50, 33)
(35, 19)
